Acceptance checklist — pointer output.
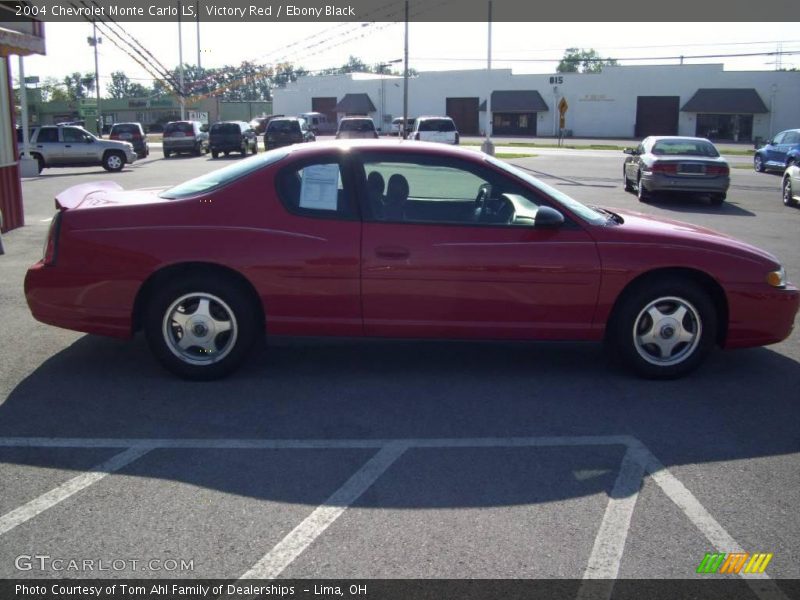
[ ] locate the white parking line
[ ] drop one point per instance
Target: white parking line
(49, 499)
(301, 537)
(607, 551)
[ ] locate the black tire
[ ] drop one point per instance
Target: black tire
(633, 322)
(788, 199)
(113, 161)
(758, 163)
(255, 147)
(790, 162)
(214, 154)
(227, 153)
(627, 183)
(641, 191)
(717, 199)
(198, 150)
(167, 153)
(225, 298)
(39, 161)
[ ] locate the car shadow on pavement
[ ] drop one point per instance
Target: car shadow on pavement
(684, 204)
(735, 407)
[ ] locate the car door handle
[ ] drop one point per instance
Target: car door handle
(392, 252)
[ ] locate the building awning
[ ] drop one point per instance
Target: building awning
(725, 100)
(355, 104)
(522, 101)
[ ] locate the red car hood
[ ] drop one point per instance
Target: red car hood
(668, 231)
(104, 193)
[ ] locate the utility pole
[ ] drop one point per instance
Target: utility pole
(93, 41)
(405, 79)
(487, 147)
(180, 66)
(197, 16)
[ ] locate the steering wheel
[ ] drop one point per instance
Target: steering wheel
(482, 201)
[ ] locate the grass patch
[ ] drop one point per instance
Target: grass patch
(513, 155)
(748, 167)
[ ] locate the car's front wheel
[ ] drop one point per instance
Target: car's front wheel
(202, 328)
(758, 163)
(664, 328)
(788, 193)
(113, 161)
(626, 181)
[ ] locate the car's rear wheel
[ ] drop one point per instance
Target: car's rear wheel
(198, 150)
(113, 161)
(201, 327)
(758, 163)
(788, 193)
(255, 147)
(39, 161)
(214, 154)
(717, 199)
(167, 153)
(641, 191)
(664, 328)
(626, 181)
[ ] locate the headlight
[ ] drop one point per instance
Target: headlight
(777, 278)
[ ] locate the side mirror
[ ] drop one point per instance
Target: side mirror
(548, 217)
(88, 140)
(630, 151)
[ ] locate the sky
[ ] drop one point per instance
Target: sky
(522, 47)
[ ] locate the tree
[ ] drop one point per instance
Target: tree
(52, 90)
(583, 61)
(122, 87)
(79, 86)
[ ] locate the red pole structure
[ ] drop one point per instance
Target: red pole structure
(10, 187)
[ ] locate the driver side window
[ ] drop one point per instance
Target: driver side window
(435, 190)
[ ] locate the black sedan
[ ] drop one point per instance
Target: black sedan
(676, 165)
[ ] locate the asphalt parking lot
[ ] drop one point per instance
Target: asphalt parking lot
(380, 459)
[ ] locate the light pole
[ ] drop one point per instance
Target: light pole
(93, 41)
(405, 77)
(487, 146)
(380, 67)
(180, 66)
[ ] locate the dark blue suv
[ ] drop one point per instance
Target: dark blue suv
(779, 153)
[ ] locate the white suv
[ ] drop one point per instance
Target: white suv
(435, 129)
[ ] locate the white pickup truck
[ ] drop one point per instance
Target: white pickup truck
(70, 146)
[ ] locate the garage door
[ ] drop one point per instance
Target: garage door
(326, 106)
(657, 115)
(464, 111)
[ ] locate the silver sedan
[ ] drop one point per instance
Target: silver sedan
(791, 186)
(676, 165)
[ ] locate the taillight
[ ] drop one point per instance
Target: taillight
(717, 170)
(114, 136)
(665, 168)
(51, 243)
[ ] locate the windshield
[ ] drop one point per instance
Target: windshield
(283, 127)
(223, 176)
(226, 128)
(581, 210)
(442, 125)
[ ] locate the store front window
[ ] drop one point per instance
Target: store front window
(736, 128)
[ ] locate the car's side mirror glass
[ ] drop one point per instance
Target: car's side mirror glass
(630, 151)
(548, 217)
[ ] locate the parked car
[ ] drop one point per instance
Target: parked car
(435, 129)
(133, 133)
(318, 123)
(685, 165)
(779, 153)
(232, 136)
(356, 127)
(397, 126)
(286, 131)
(67, 146)
(259, 124)
(410, 240)
(184, 137)
(791, 185)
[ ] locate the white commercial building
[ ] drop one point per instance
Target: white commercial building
(629, 101)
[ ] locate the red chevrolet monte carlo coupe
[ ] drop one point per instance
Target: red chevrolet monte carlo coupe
(395, 239)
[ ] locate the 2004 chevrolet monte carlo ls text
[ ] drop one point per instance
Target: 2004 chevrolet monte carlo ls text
(397, 239)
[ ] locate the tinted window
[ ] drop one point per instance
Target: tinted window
(47, 135)
(223, 176)
(315, 188)
(278, 126)
(357, 125)
(74, 135)
(425, 189)
(126, 128)
(437, 125)
(181, 126)
(684, 147)
(226, 128)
